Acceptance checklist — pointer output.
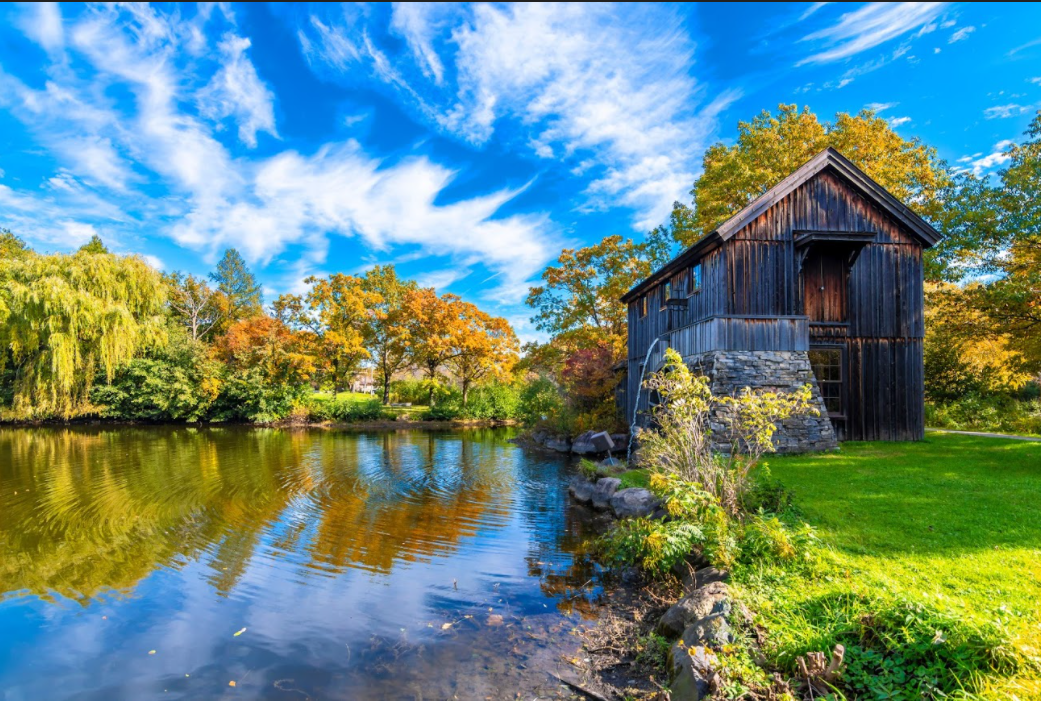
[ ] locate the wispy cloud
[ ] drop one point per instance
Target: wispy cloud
(811, 10)
(610, 86)
(1005, 111)
(979, 164)
(42, 22)
(1035, 81)
(878, 107)
(236, 91)
(869, 26)
(961, 34)
(895, 122)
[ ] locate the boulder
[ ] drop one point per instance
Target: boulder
(690, 674)
(712, 631)
(602, 442)
(621, 441)
(581, 489)
(561, 445)
(633, 503)
(712, 599)
(605, 489)
(583, 445)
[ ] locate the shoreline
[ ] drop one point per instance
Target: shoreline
(380, 425)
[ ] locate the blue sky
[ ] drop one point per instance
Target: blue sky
(467, 144)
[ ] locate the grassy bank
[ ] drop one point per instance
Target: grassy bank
(929, 546)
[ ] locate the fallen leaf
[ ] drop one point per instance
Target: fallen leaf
(446, 626)
(151, 652)
(495, 620)
(231, 683)
(239, 633)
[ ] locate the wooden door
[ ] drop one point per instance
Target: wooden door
(825, 294)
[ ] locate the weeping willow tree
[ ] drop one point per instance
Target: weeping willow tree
(66, 318)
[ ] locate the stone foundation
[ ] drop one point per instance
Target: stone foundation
(783, 371)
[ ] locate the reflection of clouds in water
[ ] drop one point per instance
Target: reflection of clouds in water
(314, 541)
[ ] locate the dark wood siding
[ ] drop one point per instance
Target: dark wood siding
(756, 295)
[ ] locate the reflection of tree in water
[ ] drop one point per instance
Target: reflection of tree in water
(557, 549)
(83, 510)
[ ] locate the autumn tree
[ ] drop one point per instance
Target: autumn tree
(486, 348)
(197, 306)
(578, 300)
(434, 326)
(264, 343)
(334, 316)
(241, 292)
(95, 245)
(387, 338)
(11, 246)
(770, 147)
(64, 319)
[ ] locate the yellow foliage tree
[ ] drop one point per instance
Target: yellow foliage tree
(65, 318)
(435, 327)
(486, 348)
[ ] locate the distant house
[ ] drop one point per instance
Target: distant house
(818, 280)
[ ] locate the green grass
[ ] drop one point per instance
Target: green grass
(952, 523)
(635, 478)
(360, 397)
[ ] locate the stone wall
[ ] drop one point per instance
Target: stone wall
(786, 371)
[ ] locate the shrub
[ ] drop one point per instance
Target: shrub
(495, 401)
(349, 411)
(539, 401)
(998, 413)
(682, 442)
(247, 396)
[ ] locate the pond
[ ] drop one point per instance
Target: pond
(232, 562)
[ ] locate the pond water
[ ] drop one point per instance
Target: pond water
(148, 562)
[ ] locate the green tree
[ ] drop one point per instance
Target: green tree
(769, 148)
(198, 307)
(387, 337)
(95, 245)
(240, 289)
(11, 246)
(66, 318)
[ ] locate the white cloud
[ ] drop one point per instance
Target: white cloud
(237, 91)
(937, 50)
(154, 261)
(41, 22)
(811, 9)
(879, 107)
(440, 279)
(607, 84)
(894, 122)
(979, 164)
(413, 20)
(1035, 81)
(871, 25)
(961, 34)
(1005, 111)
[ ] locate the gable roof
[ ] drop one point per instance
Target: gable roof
(829, 157)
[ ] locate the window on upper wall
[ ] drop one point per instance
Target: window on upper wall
(666, 292)
(643, 306)
(694, 279)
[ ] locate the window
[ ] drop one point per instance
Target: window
(666, 292)
(827, 368)
(643, 306)
(695, 279)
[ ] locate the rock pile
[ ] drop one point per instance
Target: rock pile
(604, 495)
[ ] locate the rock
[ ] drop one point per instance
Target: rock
(610, 462)
(690, 674)
(633, 503)
(621, 441)
(581, 489)
(708, 575)
(602, 442)
(712, 599)
(561, 445)
(583, 445)
(605, 489)
(713, 631)
(684, 570)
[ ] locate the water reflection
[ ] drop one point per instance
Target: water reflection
(344, 555)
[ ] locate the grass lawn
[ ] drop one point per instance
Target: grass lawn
(361, 397)
(952, 522)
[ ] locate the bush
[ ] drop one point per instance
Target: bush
(539, 402)
(495, 401)
(996, 413)
(178, 382)
(682, 442)
(246, 396)
(349, 411)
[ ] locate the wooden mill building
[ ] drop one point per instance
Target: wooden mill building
(818, 280)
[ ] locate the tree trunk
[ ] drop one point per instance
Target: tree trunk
(466, 391)
(431, 374)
